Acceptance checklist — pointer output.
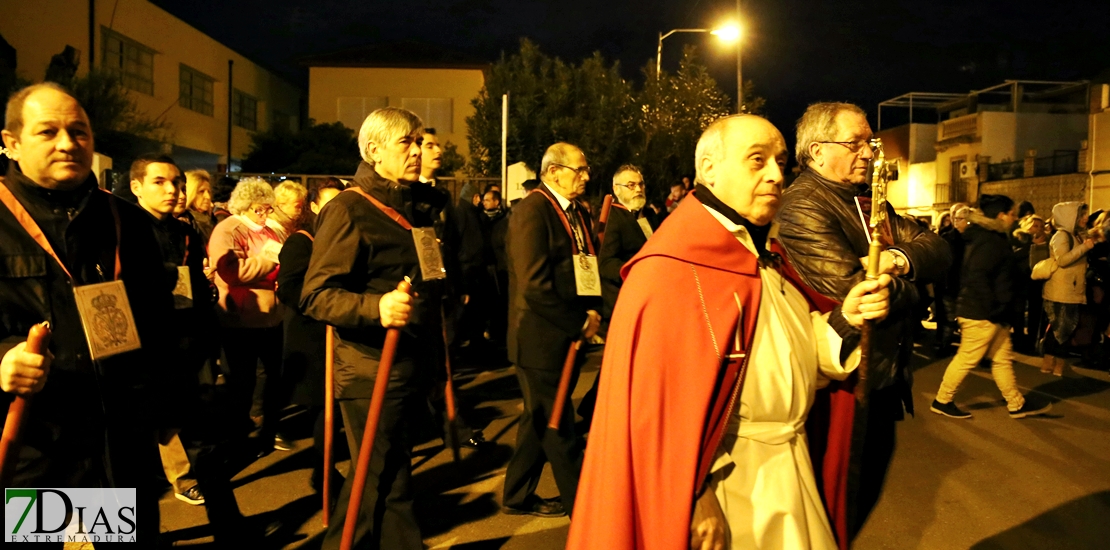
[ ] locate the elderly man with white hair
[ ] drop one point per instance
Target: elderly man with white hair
(377, 233)
(244, 251)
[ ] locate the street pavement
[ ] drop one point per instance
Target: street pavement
(990, 482)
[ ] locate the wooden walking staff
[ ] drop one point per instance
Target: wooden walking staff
(381, 383)
(880, 176)
(561, 394)
(329, 415)
(451, 427)
(37, 340)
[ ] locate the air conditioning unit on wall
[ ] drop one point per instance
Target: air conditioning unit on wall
(967, 170)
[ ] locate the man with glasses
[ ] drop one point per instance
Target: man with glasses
(825, 239)
(554, 297)
(625, 233)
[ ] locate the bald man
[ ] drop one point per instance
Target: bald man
(550, 249)
(684, 428)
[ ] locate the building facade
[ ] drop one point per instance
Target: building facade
(436, 84)
(212, 97)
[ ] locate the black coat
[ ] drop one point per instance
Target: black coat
(494, 230)
(302, 361)
(623, 239)
(545, 312)
(988, 272)
(361, 254)
(951, 280)
(81, 400)
(821, 231)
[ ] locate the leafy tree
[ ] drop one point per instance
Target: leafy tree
(590, 105)
(121, 130)
(451, 161)
(674, 110)
(315, 149)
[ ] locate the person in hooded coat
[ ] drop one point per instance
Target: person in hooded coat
(1066, 289)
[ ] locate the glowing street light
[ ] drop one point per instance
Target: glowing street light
(729, 33)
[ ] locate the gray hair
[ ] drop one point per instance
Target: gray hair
(250, 191)
(819, 124)
(626, 168)
(711, 144)
(385, 125)
(558, 153)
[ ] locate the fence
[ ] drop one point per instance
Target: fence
(1062, 162)
(453, 184)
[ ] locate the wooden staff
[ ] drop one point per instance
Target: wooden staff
(38, 338)
(450, 428)
(606, 205)
(381, 383)
(329, 415)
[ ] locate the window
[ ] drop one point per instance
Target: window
(283, 121)
(196, 91)
(436, 112)
(244, 110)
(133, 61)
(351, 111)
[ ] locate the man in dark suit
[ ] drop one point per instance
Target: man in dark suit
(626, 231)
(553, 302)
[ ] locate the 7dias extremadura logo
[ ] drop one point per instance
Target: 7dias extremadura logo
(69, 515)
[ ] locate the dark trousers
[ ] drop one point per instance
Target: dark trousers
(1035, 320)
(81, 461)
(878, 449)
(537, 445)
(244, 349)
(386, 519)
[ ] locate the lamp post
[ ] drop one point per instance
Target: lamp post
(728, 33)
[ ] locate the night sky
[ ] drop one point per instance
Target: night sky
(796, 52)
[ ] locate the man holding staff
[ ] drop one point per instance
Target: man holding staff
(378, 233)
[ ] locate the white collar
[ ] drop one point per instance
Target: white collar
(426, 180)
(563, 201)
(250, 223)
(741, 232)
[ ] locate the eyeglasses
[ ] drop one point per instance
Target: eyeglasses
(632, 185)
(581, 170)
(262, 210)
(853, 146)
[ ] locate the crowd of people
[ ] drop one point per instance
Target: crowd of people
(731, 389)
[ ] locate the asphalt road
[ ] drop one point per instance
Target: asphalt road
(991, 482)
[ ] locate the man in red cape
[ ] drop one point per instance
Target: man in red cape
(687, 447)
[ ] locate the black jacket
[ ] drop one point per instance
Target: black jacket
(623, 239)
(823, 236)
(545, 311)
(302, 361)
(361, 254)
(988, 273)
(494, 230)
(81, 399)
(951, 281)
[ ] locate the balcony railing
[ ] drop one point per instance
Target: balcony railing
(967, 125)
(946, 193)
(1063, 162)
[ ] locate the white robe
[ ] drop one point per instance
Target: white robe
(762, 474)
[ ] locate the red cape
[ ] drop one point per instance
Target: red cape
(665, 394)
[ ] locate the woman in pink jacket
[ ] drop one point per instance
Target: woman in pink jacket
(244, 251)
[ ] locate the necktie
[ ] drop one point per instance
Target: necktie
(576, 226)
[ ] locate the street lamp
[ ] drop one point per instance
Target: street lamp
(728, 33)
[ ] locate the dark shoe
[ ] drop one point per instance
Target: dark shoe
(282, 444)
(541, 507)
(191, 495)
(949, 409)
(1031, 408)
(477, 441)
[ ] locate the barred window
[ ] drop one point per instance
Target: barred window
(133, 61)
(196, 91)
(244, 111)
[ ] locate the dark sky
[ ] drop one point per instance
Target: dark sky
(795, 51)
